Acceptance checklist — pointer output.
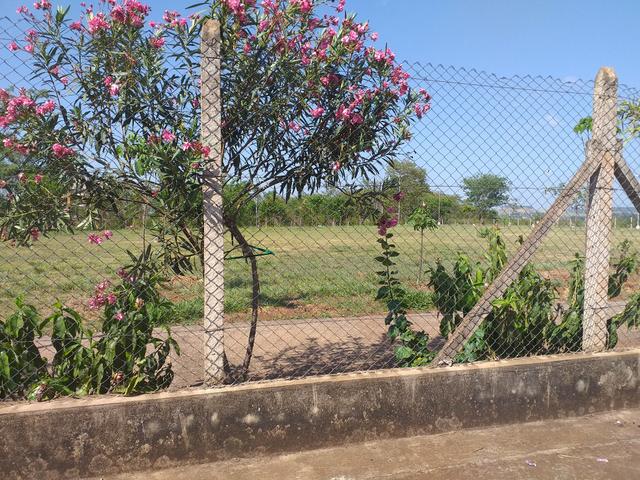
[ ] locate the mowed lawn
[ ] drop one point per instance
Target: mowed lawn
(314, 271)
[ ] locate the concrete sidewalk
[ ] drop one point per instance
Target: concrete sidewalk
(603, 446)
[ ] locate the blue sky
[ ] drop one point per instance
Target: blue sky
(471, 129)
(562, 38)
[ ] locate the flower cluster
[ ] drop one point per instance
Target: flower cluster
(20, 148)
(101, 297)
(157, 42)
(389, 218)
(61, 151)
(47, 107)
(196, 147)
(112, 86)
(173, 19)
(98, 24)
(97, 239)
(131, 12)
(22, 178)
(15, 108)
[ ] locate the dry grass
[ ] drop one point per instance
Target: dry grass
(315, 271)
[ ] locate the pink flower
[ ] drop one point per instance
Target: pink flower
(47, 107)
(94, 239)
(343, 113)
(107, 234)
(55, 70)
(341, 5)
(102, 286)
(317, 112)
(112, 298)
(13, 47)
(76, 26)
(375, 36)
(294, 126)
(167, 136)
(108, 81)
(119, 316)
(35, 233)
(37, 178)
(421, 109)
(42, 5)
(398, 197)
(98, 24)
(205, 151)
(28, 48)
(305, 5)
(96, 302)
(3, 183)
(118, 14)
(186, 146)
(385, 223)
(114, 90)
(195, 165)
(157, 42)
(7, 142)
(336, 166)
(357, 119)
(64, 81)
(60, 151)
(22, 10)
(22, 178)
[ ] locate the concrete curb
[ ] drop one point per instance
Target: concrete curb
(108, 435)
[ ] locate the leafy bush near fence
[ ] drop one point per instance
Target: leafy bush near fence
(529, 318)
(309, 100)
(126, 356)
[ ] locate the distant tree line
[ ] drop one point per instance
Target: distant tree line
(482, 194)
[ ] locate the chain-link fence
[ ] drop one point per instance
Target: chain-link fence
(488, 260)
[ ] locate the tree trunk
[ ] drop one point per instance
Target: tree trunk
(255, 300)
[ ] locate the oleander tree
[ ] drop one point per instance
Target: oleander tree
(308, 102)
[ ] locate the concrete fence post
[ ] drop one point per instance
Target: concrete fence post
(604, 148)
(211, 120)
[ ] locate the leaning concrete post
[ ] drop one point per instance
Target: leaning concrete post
(212, 192)
(604, 146)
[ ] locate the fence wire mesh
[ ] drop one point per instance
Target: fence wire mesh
(481, 170)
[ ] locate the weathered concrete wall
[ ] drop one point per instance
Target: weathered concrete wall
(91, 437)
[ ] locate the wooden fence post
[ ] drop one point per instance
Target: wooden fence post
(211, 118)
(600, 214)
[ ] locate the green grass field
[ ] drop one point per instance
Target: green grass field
(315, 271)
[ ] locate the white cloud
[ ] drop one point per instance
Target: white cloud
(551, 120)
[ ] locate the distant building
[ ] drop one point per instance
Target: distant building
(516, 211)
